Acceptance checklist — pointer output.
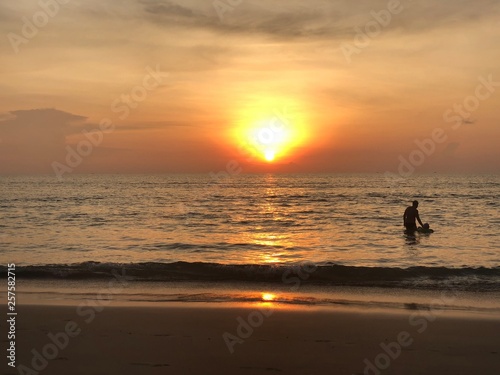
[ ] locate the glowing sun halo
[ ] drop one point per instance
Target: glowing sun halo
(270, 129)
(269, 155)
(271, 139)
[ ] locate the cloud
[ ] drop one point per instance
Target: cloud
(159, 7)
(317, 18)
(32, 139)
(38, 125)
(285, 22)
(159, 125)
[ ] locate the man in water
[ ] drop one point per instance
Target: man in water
(409, 217)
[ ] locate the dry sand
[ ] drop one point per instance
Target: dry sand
(189, 340)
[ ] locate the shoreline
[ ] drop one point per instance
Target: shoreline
(165, 294)
(253, 340)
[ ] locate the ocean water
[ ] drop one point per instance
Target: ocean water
(348, 228)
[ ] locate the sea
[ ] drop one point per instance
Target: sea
(303, 239)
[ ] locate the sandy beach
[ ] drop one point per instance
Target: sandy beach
(198, 339)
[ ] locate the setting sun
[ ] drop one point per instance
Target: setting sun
(271, 129)
(269, 155)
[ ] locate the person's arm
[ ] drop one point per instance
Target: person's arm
(419, 221)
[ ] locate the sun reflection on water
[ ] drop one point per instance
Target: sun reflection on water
(268, 297)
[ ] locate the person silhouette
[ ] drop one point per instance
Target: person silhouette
(409, 217)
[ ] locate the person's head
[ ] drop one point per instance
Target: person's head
(426, 226)
(415, 204)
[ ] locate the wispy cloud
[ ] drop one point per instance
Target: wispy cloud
(316, 18)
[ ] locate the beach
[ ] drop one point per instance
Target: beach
(190, 339)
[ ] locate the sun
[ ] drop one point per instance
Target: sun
(269, 138)
(271, 131)
(269, 155)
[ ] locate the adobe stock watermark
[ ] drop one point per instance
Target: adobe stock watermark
(255, 319)
(371, 30)
(420, 321)
(122, 106)
(224, 6)
(457, 116)
(87, 311)
(483, 91)
(31, 26)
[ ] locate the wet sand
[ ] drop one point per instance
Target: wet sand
(212, 339)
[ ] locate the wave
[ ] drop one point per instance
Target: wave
(470, 279)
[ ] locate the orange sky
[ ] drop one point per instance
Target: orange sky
(221, 79)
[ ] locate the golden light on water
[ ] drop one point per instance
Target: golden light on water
(268, 297)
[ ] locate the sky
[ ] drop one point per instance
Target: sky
(171, 86)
